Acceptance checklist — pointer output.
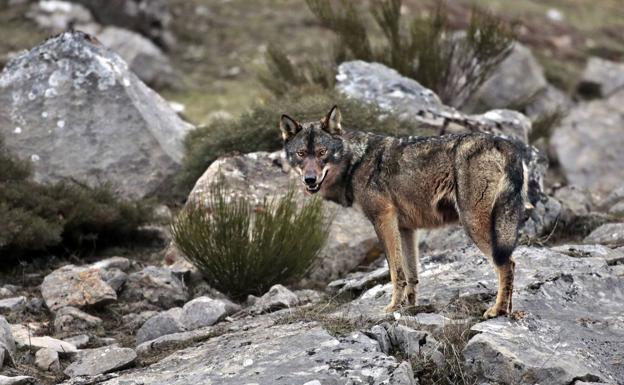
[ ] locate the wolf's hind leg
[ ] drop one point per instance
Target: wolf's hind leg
(410, 263)
(387, 228)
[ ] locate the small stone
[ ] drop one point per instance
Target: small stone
(205, 311)
(120, 263)
(91, 362)
(75, 286)
(380, 334)
(278, 297)
(611, 234)
(80, 341)
(12, 305)
(167, 322)
(114, 278)
(70, 319)
(159, 286)
(47, 360)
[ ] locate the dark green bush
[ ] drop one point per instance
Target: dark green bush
(244, 249)
(257, 130)
(36, 217)
(425, 49)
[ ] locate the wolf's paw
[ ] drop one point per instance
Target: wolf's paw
(410, 296)
(494, 312)
(391, 308)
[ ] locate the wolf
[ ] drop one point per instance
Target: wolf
(410, 183)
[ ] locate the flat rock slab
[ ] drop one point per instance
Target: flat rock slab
(573, 321)
(75, 286)
(613, 257)
(92, 362)
(24, 338)
(277, 355)
(611, 234)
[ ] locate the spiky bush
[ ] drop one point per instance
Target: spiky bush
(244, 249)
(425, 48)
(257, 130)
(36, 217)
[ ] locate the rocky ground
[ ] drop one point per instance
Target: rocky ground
(144, 315)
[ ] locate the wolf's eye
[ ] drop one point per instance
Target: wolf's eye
(300, 153)
(322, 152)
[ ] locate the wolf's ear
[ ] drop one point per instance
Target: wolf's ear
(331, 123)
(289, 127)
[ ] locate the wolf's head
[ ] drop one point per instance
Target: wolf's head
(314, 149)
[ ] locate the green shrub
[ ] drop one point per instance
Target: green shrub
(425, 49)
(36, 217)
(244, 249)
(257, 130)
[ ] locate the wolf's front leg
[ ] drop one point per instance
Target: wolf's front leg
(387, 228)
(410, 263)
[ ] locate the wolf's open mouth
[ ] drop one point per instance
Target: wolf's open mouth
(313, 189)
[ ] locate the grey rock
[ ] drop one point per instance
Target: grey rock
(380, 334)
(272, 355)
(611, 256)
(309, 296)
(574, 201)
(617, 210)
(611, 234)
(47, 360)
(80, 341)
(91, 362)
(151, 18)
(24, 337)
(6, 292)
(144, 58)
(403, 375)
(69, 320)
(587, 144)
(205, 311)
(377, 84)
(571, 328)
(115, 278)
(7, 342)
(133, 321)
(445, 238)
(542, 218)
(75, 110)
(167, 322)
(278, 297)
(614, 197)
(518, 78)
(75, 286)
(59, 16)
(385, 87)
(546, 103)
(601, 78)
(12, 305)
(352, 238)
(35, 305)
(156, 285)
(18, 380)
(355, 283)
(433, 320)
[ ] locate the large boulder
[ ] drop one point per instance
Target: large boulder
(75, 110)
(516, 80)
(261, 175)
(279, 355)
(588, 145)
